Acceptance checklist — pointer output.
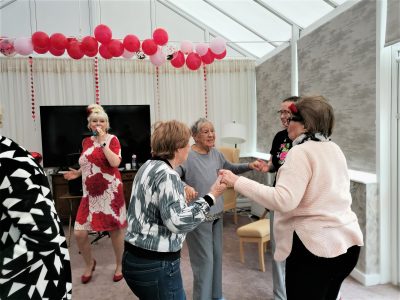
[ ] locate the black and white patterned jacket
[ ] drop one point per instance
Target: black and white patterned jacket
(34, 258)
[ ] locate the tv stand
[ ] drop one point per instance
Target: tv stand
(60, 189)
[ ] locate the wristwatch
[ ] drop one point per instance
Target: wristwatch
(103, 145)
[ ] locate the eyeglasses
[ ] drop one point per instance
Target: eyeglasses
(284, 112)
(295, 119)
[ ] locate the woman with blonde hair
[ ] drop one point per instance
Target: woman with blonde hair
(102, 206)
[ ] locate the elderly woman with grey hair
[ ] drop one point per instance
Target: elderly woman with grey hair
(199, 172)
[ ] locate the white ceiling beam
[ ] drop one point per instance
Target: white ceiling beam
(331, 3)
(241, 23)
(6, 3)
(203, 26)
(278, 14)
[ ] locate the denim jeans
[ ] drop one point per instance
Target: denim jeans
(151, 279)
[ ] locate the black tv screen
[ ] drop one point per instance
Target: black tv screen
(64, 128)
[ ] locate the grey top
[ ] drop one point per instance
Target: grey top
(200, 172)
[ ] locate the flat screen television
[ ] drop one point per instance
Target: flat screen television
(64, 128)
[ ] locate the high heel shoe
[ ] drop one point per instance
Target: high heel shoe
(117, 278)
(86, 279)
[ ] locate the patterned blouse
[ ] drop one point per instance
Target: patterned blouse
(158, 216)
(34, 258)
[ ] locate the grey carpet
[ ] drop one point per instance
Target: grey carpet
(240, 281)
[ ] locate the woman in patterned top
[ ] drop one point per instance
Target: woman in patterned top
(34, 258)
(102, 206)
(159, 218)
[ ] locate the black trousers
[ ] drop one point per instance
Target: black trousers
(316, 278)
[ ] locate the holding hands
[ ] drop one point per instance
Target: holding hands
(228, 178)
(259, 165)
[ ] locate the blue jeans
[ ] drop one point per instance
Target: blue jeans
(151, 279)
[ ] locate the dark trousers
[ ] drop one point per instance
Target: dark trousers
(316, 278)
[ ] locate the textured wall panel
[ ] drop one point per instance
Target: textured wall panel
(338, 61)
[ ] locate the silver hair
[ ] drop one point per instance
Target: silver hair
(195, 129)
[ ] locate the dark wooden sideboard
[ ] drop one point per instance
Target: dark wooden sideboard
(60, 190)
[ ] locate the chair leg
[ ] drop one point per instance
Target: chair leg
(261, 255)
(235, 218)
(241, 251)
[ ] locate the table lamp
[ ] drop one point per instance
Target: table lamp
(233, 133)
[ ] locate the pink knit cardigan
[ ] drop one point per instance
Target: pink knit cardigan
(312, 197)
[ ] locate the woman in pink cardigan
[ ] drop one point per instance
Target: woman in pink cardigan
(316, 231)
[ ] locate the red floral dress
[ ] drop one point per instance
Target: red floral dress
(102, 206)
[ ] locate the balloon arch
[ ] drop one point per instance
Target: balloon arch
(155, 48)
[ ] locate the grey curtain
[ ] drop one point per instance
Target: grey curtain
(392, 22)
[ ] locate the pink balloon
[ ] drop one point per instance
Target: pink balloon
(23, 45)
(128, 54)
(201, 49)
(218, 45)
(186, 47)
(193, 61)
(158, 58)
(160, 36)
(178, 59)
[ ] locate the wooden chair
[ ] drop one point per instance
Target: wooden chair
(255, 232)
(231, 155)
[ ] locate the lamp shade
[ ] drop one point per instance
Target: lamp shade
(234, 133)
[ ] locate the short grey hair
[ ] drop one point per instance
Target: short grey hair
(195, 129)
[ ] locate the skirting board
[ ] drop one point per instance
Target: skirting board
(365, 279)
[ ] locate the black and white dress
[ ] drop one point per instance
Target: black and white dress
(34, 258)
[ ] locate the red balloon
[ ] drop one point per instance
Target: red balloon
(208, 58)
(103, 33)
(41, 50)
(58, 41)
(91, 53)
(178, 59)
(40, 40)
(193, 61)
(131, 43)
(56, 52)
(115, 48)
(103, 50)
(89, 45)
(221, 55)
(74, 50)
(160, 36)
(149, 47)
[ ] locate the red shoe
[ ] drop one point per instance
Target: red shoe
(86, 279)
(117, 278)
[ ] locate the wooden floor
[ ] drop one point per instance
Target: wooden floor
(240, 281)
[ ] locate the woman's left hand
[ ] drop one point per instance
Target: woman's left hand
(228, 177)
